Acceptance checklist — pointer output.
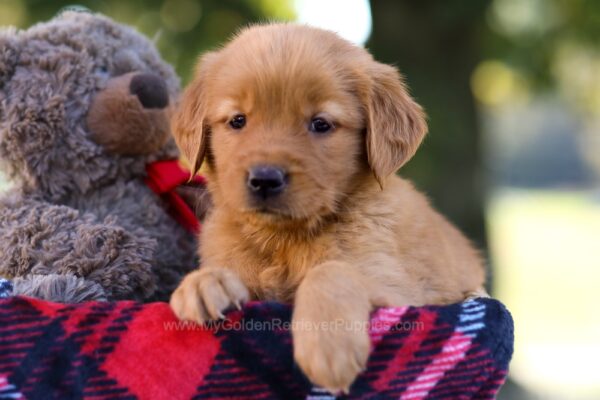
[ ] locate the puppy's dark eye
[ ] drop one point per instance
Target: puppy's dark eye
(320, 125)
(238, 121)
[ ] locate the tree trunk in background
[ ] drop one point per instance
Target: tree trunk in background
(435, 45)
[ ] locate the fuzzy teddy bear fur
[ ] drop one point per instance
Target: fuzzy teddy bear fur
(78, 222)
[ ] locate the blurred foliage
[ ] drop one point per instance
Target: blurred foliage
(527, 34)
(181, 29)
(539, 46)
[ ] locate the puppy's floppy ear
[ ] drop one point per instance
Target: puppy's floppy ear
(188, 124)
(395, 122)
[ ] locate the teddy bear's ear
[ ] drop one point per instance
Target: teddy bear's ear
(9, 54)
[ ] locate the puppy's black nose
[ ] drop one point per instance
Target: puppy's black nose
(266, 180)
(150, 89)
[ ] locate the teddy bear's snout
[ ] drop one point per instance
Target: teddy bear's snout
(150, 89)
(130, 115)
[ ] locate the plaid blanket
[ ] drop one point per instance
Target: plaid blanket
(127, 350)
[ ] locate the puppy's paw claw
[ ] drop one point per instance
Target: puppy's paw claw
(205, 295)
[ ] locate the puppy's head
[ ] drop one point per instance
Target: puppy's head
(288, 117)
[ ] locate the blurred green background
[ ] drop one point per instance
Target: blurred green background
(512, 91)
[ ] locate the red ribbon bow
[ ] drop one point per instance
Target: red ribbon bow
(163, 178)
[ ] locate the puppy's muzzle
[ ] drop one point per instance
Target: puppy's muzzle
(266, 181)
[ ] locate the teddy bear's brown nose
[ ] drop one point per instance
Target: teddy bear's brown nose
(150, 89)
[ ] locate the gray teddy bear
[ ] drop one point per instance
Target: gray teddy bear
(84, 107)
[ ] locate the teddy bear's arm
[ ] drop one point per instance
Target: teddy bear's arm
(66, 288)
(39, 239)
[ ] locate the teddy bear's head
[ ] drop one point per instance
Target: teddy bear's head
(83, 101)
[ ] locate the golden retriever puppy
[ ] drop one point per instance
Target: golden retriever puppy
(302, 133)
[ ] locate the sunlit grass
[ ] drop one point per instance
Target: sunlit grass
(545, 247)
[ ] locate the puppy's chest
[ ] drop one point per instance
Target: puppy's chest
(279, 271)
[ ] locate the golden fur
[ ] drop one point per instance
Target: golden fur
(347, 234)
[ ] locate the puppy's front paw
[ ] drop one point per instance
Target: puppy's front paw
(331, 355)
(205, 294)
